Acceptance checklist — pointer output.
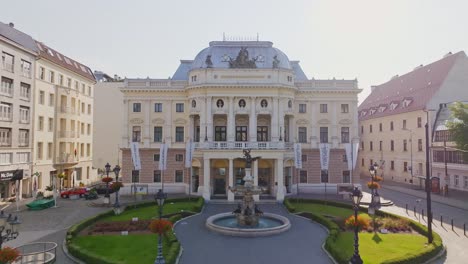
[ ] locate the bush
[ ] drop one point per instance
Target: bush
(362, 223)
(289, 206)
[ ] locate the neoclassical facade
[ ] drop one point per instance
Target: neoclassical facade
(236, 95)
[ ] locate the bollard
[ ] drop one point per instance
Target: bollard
(464, 229)
(415, 211)
(422, 213)
(452, 224)
(406, 208)
(441, 221)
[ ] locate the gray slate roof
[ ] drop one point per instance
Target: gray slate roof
(18, 37)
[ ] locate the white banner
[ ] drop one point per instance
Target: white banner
(134, 148)
(189, 148)
(351, 154)
(324, 155)
(163, 157)
(297, 156)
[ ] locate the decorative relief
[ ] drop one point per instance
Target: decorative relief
(158, 121)
(345, 122)
(302, 122)
(324, 121)
(136, 121)
(180, 121)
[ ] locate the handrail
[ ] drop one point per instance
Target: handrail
(44, 255)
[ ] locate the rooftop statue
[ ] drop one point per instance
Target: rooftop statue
(275, 62)
(242, 60)
(209, 63)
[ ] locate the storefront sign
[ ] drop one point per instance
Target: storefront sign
(8, 175)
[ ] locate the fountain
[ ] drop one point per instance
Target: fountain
(248, 219)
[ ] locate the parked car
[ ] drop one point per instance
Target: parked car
(78, 191)
(101, 188)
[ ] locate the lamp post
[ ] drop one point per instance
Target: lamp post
(375, 197)
(356, 196)
(160, 197)
(10, 225)
(428, 179)
(108, 166)
(117, 171)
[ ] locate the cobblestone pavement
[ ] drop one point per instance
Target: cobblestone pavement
(301, 244)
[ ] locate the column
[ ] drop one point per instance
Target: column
(125, 125)
(292, 130)
(209, 119)
(203, 125)
(255, 175)
(230, 194)
(206, 179)
(281, 127)
(314, 128)
(334, 125)
(147, 125)
(280, 190)
(252, 121)
(274, 121)
(168, 122)
(231, 121)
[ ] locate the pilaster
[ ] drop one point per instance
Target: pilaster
(253, 120)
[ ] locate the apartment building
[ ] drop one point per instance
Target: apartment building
(392, 118)
(16, 111)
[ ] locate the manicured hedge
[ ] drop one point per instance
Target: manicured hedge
(420, 256)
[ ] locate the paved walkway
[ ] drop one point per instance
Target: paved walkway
(301, 244)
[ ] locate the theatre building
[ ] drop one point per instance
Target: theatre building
(239, 95)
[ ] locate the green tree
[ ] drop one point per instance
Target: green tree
(459, 125)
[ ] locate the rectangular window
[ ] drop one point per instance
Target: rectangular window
(83, 108)
(8, 62)
(419, 122)
(241, 133)
(371, 146)
(362, 162)
(89, 109)
(41, 97)
(51, 99)
(370, 128)
(324, 175)
(380, 127)
(262, 133)
(405, 166)
(346, 176)
(157, 176)
(323, 134)
(362, 145)
(89, 129)
(345, 135)
(156, 157)
(344, 108)
(404, 124)
(465, 184)
(51, 77)
(302, 108)
(345, 158)
(60, 79)
(23, 157)
(6, 112)
(26, 68)
(49, 150)
(7, 86)
(362, 130)
(302, 134)
(23, 138)
(136, 107)
(179, 136)
(220, 133)
(303, 176)
(391, 126)
(41, 73)
(6, 158)
(323, 108)
(39, 150)
(158, 134)
(135, 176)
(380, 145)
(5, 137)
(457, 179)
(136, 134)
(392, 145)
(158, 107)
(25, 91)
(179, 157)
(40, 125)
(24, 114)
(420, 145)
(83, 88)
(69, 82)
(179, 107)
(405, 145)
(392, 165)
(90, 91)
(179, 176)
(88, 150)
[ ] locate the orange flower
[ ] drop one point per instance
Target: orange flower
(8, 254)
(362, 223)
(160, 227)
(107, 179)
(373, 185)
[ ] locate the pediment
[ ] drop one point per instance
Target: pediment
(323, 121)
(158, 121)
(345, 122)
(302, 122)
(180, 121)
(136, 121)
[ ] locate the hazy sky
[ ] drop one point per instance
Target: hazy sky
(371, 40)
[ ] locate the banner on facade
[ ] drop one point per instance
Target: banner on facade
(351, 154)
(163, 157)
(189, 148)
(297, 156)
(134, 148)
(324, 155)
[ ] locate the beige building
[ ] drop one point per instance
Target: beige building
(16, 111)
(393, 117)
(236, 95)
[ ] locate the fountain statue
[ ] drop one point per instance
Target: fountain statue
(247, 213)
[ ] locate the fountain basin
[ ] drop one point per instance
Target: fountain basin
(269, 224)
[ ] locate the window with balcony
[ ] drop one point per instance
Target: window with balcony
(179, 107)
(51, 99)
(302, 108)
(26, 68)
(303, 176)
(420, 145)
(40, 123)
(324, 175)
(7, 86)
(22, 157)
(346, 176)
(23, 139)
(39, 150)
(158, 134)
(220, 133)
(345, 135)
(344, 108)
(25, 91)
(262, 133)
(157, 176)
(158, 107)
(179, 176)
(323, 108)
(8, 62)
(6, 158)
(323, 134)
(6, 112)
(241, 133)
(24, 114)
(405, 145)
(302, 133)
(41, 97)
(179, 157)
(136, 107)
(136, 134)
(179, 134)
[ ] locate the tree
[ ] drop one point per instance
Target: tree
(459, 125)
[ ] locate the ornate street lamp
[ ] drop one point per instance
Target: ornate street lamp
(10, 225)
(160, 198)
(108, 166)
(356, 197)
(116, 172)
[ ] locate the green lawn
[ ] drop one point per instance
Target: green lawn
(325, 209)
(148, 212)
(377, 248)
(129, 249)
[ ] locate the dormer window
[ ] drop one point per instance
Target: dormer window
(406, 103)
(393, 106)
(382, 108)
(372, 111)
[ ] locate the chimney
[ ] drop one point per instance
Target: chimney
(11, 24)
(372, 88)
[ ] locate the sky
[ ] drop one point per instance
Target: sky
(371, 40)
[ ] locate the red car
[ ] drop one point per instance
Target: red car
(78, 191)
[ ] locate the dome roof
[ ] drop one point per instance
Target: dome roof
(241, 54)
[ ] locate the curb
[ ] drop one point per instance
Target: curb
(188, 217)
(68, 255)
(442, 253)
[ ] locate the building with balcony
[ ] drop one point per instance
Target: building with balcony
(392, 118)
(236, 95)
(16, 111)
